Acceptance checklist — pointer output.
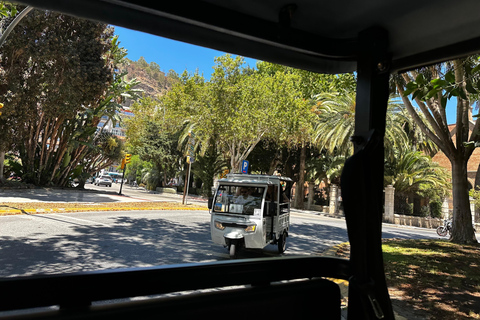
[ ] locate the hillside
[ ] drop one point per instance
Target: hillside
(153, 81)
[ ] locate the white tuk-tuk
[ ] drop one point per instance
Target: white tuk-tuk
(251, 211)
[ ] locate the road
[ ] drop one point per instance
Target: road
(71, 242)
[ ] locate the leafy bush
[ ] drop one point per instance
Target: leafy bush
(424, 211)
(436, 209)
(401, 205)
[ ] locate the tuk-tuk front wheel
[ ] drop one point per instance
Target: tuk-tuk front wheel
(282, 242)
(232, 249)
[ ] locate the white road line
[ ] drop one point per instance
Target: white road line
(60, 217)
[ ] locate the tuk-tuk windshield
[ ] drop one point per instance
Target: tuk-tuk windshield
(246, 200)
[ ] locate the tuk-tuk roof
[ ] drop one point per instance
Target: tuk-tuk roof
(239, 178)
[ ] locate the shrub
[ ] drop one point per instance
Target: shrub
(424, 211)
(436, 209)
(401, 205)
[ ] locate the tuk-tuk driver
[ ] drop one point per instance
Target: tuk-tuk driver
(245, 196)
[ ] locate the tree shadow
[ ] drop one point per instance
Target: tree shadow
(129, 242)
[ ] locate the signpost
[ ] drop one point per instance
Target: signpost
(127, 159)
(190, 160)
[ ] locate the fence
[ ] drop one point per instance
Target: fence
(389, 215)
(414, 221)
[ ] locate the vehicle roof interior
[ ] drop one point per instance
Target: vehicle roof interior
(319, 36)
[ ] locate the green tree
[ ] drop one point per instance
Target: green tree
(336, 113)
(425, 93)
(207, 166)
(43, 99)
(413, 173)
(134, 169)
(266, 157)
(299, 119)
(160, 148)
(52, 114)
(237, 107)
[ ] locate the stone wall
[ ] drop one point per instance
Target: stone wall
(417, 221)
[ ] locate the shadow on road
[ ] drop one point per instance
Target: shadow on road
(139, 242)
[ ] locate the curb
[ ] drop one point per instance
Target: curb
(34, 211)
(330, 252)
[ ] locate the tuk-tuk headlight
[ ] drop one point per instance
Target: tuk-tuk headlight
(250, 228)
(219, 225)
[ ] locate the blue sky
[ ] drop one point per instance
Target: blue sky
(170, 54)
(179, 56)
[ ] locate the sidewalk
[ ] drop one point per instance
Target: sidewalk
(85, 195)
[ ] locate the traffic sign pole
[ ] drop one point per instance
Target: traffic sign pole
(123, 179)
(187, 180)
(125, 160)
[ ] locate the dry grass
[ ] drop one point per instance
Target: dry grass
(436, 277)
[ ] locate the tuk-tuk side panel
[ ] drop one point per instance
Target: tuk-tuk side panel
(281, 224)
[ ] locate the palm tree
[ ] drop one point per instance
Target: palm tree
(323, 167)
(151, 177)
(336, 119)
(414, 174)
(409, 170)
(412, 169)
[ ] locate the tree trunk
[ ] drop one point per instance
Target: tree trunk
(300, 194)
(81, 184)
(2, 164)
(477, 179)
(462, 216)
(311, 193)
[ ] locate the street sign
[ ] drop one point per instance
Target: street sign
(245, 166)
(191, 150)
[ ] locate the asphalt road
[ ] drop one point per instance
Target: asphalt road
(71, 242)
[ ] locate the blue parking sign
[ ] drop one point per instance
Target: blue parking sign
(244, 166)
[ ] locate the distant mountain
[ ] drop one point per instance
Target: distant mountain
(153, 81)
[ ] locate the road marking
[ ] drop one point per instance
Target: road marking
(59, 218)
(90, 222)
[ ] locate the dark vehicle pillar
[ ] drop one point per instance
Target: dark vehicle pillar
(362, 181)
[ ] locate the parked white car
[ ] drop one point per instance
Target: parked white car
(104, 180)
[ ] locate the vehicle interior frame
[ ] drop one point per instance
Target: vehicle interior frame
(374, 39)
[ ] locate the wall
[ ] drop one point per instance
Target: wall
(417, 221)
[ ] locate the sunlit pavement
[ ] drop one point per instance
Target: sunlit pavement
(91, 194)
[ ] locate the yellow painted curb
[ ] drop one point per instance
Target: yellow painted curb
(11, 211)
